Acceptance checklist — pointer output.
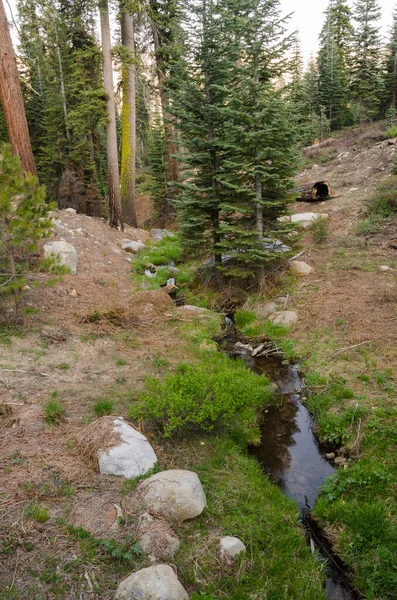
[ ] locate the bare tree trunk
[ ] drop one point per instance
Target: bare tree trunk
(128, 121)
(11, 98)
(115, 218)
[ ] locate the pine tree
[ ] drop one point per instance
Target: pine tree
(366, 82)
(239, 143)
(390, 99)
(333, 59)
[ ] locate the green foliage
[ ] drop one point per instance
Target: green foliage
(24, 221)
(370, 226)
(158, 169)
(103, 407)
(54, 411)
(36, 513)
(220, 394)
(161, 253)
(63, 366)
(391, 132)
(383, 202)
(319, 231)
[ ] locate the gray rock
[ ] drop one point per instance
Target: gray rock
(156, 538)
(133, 247)
(72, 211)
(176, 495)
(284, 317)
(66, 253)
(155, 583)
(229, 548)
(330, 455)
(306, 219)
(160, 234)
(263, 311)
(340, 460)
(301, 267)
(132, 457)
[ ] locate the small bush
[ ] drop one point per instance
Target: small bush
(103, 407)
(391, 132)
(319, 231)
(63, 366)
(54, 412)
(370, 226)
(223, 394)
(327, 155)
(384, 201)
(36, 513)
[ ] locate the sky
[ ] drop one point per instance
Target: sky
(308, 19)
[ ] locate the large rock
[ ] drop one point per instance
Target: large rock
(306, 219)
(130, 246)
(175, 495)
(301, 267)
(263, 311)
(156, 537)
(132, 457)
(288, 318)
(229, 548)
(155, 583)
(66, 253)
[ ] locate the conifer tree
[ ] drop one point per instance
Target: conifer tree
(367, 81)
(390, 99)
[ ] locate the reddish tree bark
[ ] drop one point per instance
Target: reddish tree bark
(11, 98)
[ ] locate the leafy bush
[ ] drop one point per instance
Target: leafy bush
(391, 132)
(220, 394)
(24, 220)
(103, 407)
(384, 201)
(319, 231)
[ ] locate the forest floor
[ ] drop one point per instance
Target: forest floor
(97, 335)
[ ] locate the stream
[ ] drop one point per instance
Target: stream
(290, 455)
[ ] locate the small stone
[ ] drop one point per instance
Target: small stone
(73, 293)
(263, 311)
(301, 267)
(71, 211)
(340, 460)
(116, 251)
(230, 548)
(288, 318)
(170, 289)
(384, 268)
(330, 455)
(26, 288)
(132, 247)
(154, 583)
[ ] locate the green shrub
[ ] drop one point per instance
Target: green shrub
(383, 202)
(220, 394)
(391, 132)
(371, 225)
(54, 411)
(36, 513)
(24, 220)
(103, 407)
(319, 231)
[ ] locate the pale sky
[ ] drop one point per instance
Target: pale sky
(308, 19)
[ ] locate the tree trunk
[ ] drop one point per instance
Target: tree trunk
(115, 218)
(128, 121)
(314, 192)
(11, 99)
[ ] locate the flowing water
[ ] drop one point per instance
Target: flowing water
(290, 455)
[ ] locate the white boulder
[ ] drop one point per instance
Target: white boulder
(155, 583)
(72, 211)
(229, 548)
(288, 318)
(132, 457)
(130, 246)
(176, 495)
(301, 267)
(66, 253)
(306, 219)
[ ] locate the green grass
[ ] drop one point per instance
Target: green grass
(383, 202)
(161, 253)
(36, 513)
(63, 366)
(103, 407)
(242, 502)
(120, 362)
(54, 411)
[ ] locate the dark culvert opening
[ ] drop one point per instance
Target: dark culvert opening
(322, 190)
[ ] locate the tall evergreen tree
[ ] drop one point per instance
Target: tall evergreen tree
(367, 81)
(333, 59)
(390, 99)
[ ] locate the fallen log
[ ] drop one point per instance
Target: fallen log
(314, 149)
(314, 192)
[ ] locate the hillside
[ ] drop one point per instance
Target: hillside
(98, 334)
